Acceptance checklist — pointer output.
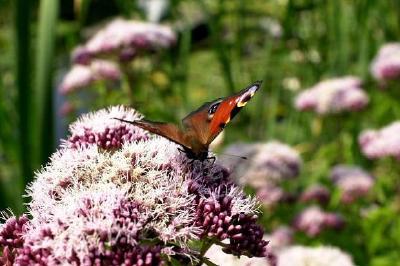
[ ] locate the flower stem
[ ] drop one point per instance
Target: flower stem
(208, 262)
(130, 81)
(206, 245)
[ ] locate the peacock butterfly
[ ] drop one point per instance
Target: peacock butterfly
(202, 126)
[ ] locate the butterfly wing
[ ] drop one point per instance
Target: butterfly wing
(210, 119)
(197, 123)
(167, 130)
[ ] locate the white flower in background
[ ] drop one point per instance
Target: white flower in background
(309, 256)
(218, 257)
(287, 256)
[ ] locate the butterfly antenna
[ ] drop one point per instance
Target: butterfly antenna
(122, 120)
(232, 155)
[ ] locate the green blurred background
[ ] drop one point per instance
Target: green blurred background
(222, 47)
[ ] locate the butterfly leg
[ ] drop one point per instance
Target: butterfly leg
(212, 158)
(190, 161)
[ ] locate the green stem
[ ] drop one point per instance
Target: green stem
(130, 81)
(208, 262)
(206, 245)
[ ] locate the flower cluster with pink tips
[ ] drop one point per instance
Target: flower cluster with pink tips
(81, 76)
(381, 143)
(125, 39)
(353, 182)
(333, 96)
(120, 41)
(272, 166)
(313, 220)
(136, 201)
(268, 165)
(386, 64)
(91, 129)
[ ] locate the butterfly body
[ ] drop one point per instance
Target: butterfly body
(202, 126)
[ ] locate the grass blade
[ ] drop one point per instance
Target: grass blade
(48, 14)
(22, 82)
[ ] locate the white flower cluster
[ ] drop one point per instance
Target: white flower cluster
(92, 203)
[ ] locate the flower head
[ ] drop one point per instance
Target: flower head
(381, 143)
(281, 237)
(354, 182)
(333, 96)
(316, 193)
(270, 195)
(81, 76)
(386, 64)
(11, 238)
(136, 204)
(217, 256)
(125, 39)
(102, 129)
(313, 220)
(267, 163)
(317, 256)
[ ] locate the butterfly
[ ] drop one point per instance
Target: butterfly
(202, 126)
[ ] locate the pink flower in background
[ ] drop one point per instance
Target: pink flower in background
(270, 195)
(140, 204)
(81, 76)
(66, 108)
(313, 221)
(103, 130)
(333, 96)
(386, 64)
(317, 193)
(125, 39)
(381, 143)
(353, 182)
(267, 163)
(281, 237)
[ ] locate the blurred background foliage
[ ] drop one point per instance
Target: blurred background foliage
(222, 47)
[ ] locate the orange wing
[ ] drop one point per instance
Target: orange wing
(209, 120)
